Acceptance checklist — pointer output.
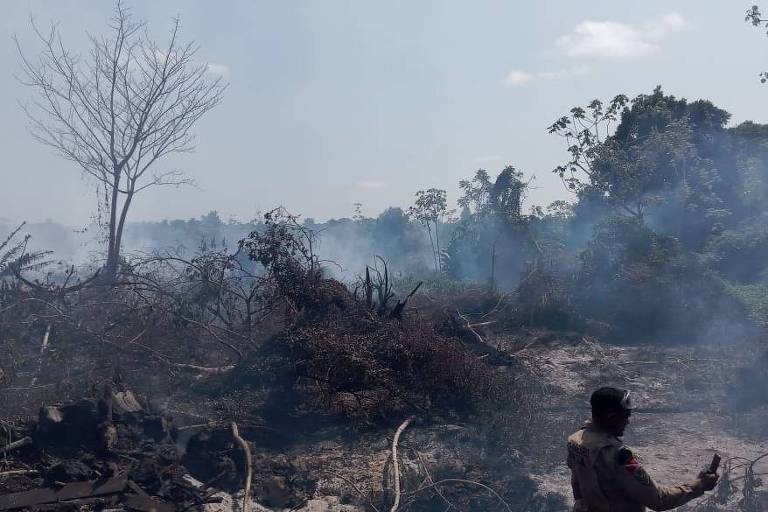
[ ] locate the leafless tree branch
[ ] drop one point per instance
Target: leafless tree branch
(118, 111)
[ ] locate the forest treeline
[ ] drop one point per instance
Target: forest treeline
(666, 235)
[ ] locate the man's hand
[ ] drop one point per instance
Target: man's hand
(708, 480)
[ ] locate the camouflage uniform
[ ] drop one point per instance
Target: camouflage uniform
(606, 477)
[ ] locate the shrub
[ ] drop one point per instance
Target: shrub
(644, 284)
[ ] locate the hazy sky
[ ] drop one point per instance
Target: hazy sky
(333, 102)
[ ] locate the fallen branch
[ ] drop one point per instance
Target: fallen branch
(461, 481)
(395, 466)
(197, 426)
(24, 441)
(432, 481)
(8, 308)
(185, 413)
(668, 361)
(354, 486)
(496, 307)
(28, 388)
(482, 324)
(527, 346)
(216, 370)
(468, 326)
(208, 329)
(249, 466)
(62, 291)
(44, 347)
(18, 472)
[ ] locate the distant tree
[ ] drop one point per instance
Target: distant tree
(118, 111)
(430, 209)
(502, 197)
(654, 150)
(358, 215)
(476, 193)
(587, 132)
(211, 220)
(393, 228)
(755, 17)
(492, 227)
(560, 209)
(393, 218)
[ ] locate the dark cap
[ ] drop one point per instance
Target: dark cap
(608, 399)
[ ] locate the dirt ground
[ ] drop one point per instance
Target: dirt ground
(692, 401)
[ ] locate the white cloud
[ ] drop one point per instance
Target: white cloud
(518, 78)
(605, 39)
(371, 185)
(218, 69)
(614, 40)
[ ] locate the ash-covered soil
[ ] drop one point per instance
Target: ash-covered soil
(692, 401)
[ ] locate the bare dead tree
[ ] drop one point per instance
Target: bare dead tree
(120, 110)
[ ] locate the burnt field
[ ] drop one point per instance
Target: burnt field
(185, 380)
(433, 357)
(190, 384)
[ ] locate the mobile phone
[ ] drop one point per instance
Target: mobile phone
(714, 464)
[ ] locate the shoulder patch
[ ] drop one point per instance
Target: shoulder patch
(632, 466)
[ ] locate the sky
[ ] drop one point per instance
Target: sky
(335, 102)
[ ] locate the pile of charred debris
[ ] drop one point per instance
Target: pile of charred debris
(113, 452)
(109, 452)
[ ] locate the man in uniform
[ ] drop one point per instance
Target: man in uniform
(606, 476)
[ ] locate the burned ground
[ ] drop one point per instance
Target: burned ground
(319, 399)
(146, 392)
(316, 387)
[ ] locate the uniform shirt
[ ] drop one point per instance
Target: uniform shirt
(607, 477)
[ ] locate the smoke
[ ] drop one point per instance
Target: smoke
(345, 246)
(666, 241)
(67, 244)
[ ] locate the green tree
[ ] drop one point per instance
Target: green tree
(502, 197)
(358, 215)
(492, 231)
(587, 133)
(430, 209)
(661, 151)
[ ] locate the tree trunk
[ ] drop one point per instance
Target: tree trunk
(493, 267)
(432, 245)
(437, 253)
(113, 249)
(121, 225)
